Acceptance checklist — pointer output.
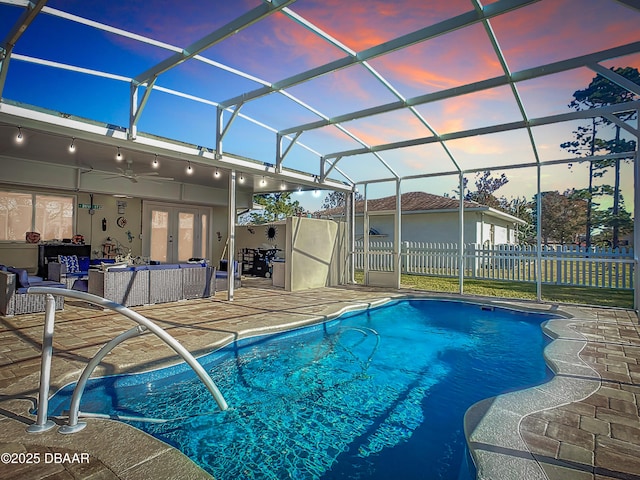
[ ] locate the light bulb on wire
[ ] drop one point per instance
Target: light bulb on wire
(72, 147)
(155, 163)
(19, 137)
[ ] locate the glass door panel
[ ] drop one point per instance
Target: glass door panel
(175, 233)
(204, 237)
(159, 236)
(186, 236)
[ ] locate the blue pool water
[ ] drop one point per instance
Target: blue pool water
(376, 394)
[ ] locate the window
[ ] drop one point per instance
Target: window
(52, 216)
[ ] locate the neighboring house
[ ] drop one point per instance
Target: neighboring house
(433, 218)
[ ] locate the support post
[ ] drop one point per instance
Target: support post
(636, 220)
(461, 237)
(42, 423)
(231, 270)
(539, 237)
(365, 226)
(397, 237)
(350, 209)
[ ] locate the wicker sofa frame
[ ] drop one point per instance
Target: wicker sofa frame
(12, 302)
(150, 284)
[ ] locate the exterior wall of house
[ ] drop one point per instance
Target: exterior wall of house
(90, 225)
(494, 231)
(423, 227)
(255, 236)
(20, 174)
(441, 227)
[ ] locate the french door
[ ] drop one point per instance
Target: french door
(175, 233)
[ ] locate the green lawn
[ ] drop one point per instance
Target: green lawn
(495, 288)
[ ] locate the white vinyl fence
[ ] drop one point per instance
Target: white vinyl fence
(560, 265)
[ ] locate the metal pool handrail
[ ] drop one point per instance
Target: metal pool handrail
(42, 423)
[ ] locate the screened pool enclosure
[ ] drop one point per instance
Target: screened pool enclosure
(369, 98)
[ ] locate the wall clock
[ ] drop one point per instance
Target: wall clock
(121, 222)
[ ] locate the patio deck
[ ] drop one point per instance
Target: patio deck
(591, 431)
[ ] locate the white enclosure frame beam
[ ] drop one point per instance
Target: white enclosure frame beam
(397, 235)
(528, 74)
(615, 78)
(563, 117)
(365, 231)
(221, 129)
(636, 219)
(461, 234)
(21, 25)
(281, 155)
(352, 234)
(507, 74)
(228, 30)
(231, 239)
(255, 15)
(635, 4)
(137, 108)
(399, 43)
(379, 77)
(539, 233)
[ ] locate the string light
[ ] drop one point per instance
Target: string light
(263, 181)
(283, 186)
(241, 179)
(155, 163)
(216, 173)
(119, 155)
(189, 169)
(72, 147)
(19, 137)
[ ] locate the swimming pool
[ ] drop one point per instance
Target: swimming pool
(375, 394)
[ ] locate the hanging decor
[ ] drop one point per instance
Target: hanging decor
(271, 232)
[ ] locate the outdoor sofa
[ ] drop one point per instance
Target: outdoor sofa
(14, 299)
(149, 284)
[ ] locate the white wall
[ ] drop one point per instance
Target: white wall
(441, 227)
(90, 226)
(424, 227)
(255, 236)
(503, 230)
(59, 177)
(311, 248)
(26, 175)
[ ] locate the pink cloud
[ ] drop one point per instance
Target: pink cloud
(545, 32)
(363, 24)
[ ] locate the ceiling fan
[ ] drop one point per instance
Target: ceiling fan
(131, 175)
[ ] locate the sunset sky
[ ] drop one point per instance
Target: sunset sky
(284, 45)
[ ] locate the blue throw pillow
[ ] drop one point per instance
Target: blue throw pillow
(22, 276)
(70, 261)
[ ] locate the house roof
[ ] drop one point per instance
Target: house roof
(421, 202)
